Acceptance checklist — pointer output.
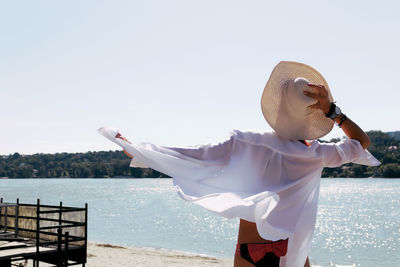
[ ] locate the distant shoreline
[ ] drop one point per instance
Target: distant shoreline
(115, 164)
(72, 178)
(138, 178)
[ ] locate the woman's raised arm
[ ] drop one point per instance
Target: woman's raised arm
(350, 128)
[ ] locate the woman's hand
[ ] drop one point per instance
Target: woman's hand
(322, 97)
(350, 128)
(126, 140)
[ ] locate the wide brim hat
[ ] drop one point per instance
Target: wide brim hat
(285, 107)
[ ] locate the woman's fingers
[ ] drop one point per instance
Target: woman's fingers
(320, 89)
(316, 105)
(123, 138)
(126, 140)
(321, 96)
(313, 95)
(316, 85)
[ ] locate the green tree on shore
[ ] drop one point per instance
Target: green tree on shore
(106, 164)
(385, 147)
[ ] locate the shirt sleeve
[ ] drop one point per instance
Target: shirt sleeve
(194, 162)
(215, 152)
(348, 150)
(210, 154)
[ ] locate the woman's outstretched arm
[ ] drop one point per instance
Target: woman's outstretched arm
(350, 128)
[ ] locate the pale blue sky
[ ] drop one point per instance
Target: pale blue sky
(182, 72)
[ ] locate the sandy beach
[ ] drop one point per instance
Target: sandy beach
(106, 255)
(110, 255)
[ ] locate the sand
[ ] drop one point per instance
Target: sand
(105, 255)
(109, 255)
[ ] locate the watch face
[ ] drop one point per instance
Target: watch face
(337, 110)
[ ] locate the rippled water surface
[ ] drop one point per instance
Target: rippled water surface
(358, 223)
(358, 219)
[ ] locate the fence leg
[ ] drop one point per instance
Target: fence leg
(37, 231)
(66, 245)
(16, 219)
(59, 248)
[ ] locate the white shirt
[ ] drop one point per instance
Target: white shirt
(259, 177)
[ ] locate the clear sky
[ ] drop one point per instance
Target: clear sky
(183, 72)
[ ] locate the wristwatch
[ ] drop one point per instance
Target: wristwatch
(334, 111)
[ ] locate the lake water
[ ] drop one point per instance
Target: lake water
(358, 220)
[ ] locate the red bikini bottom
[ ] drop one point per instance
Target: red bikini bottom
(263, 254)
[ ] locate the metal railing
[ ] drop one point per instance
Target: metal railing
(64, 229)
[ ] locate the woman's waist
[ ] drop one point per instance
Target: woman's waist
(248, 233)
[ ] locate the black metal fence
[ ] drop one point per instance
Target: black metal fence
(58, 233)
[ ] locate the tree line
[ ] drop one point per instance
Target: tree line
(385, 147)
(103, 164)
(108, 164)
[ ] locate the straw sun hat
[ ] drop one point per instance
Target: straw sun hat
(285, 107)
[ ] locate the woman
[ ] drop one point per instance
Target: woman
(269, 180)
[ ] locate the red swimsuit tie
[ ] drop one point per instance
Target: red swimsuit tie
(258, 251)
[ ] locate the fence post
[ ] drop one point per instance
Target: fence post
(1, 201)
(86, 230)
(37, 231)
(5, 218)
(60, 214)
(59, 248)
(16, 219)
(66, 245)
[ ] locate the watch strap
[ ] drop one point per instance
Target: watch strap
(331, 110)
